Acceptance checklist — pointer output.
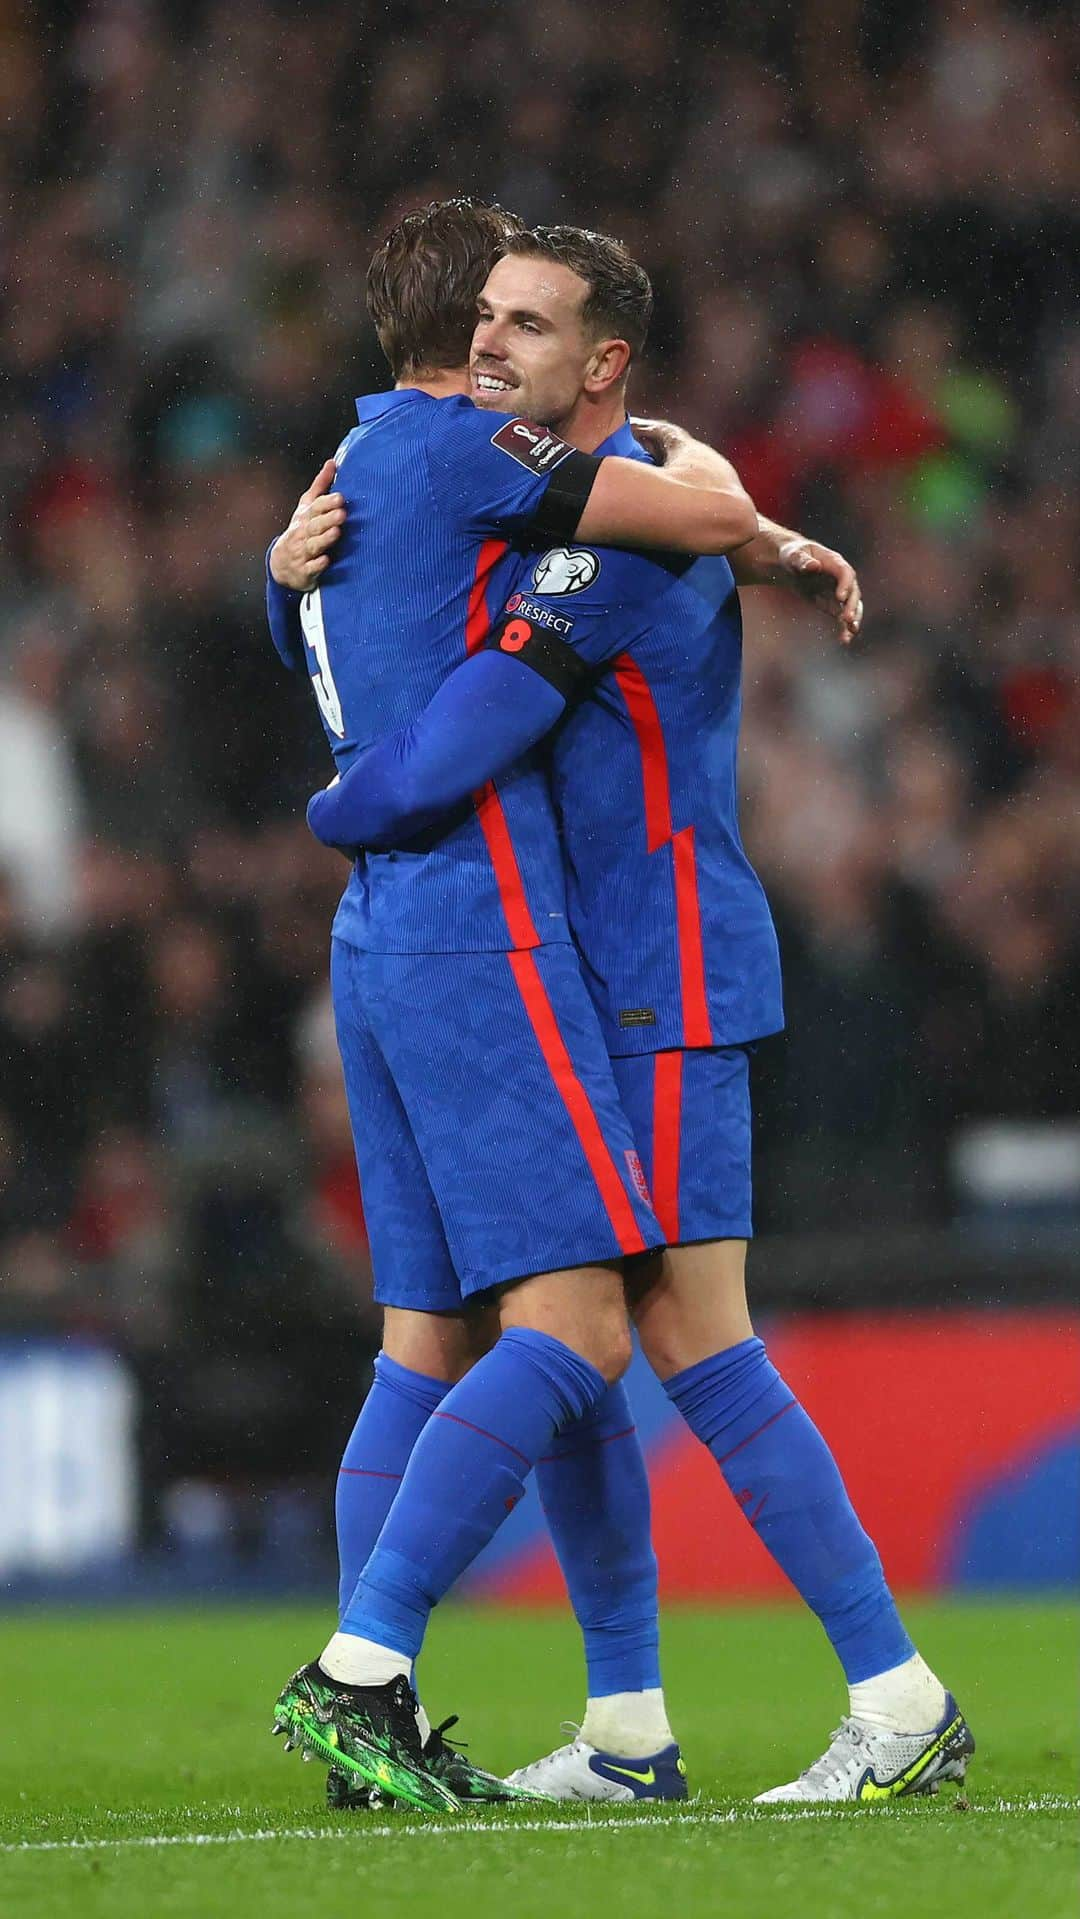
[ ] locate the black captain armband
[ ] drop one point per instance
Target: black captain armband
(555, 521)
(554, 659)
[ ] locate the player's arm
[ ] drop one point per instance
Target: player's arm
(633, 505)
(511, 477)
(776, 556)
(483, 718)
(539, 660)
(295, 560)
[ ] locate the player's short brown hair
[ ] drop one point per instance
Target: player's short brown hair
(619, 301)
(424, 281)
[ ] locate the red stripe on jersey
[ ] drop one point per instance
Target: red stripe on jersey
(489, 807)
(500, 846)
(645, 720)
(478, 619)
(577, 1102)
(666, 1136)
(697, 1027)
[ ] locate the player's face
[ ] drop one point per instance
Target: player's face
(530, 353)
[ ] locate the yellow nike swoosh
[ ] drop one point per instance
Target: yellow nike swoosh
(644, 1778)
(870, 1788)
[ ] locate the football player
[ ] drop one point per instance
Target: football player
(632, 663)
(494, 1156)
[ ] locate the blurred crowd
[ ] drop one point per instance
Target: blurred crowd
(861, 219)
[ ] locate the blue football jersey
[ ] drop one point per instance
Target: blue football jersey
(435, 493)
(671, 921)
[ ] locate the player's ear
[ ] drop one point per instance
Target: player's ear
(607, 366)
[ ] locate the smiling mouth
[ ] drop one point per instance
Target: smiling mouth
(486, 382)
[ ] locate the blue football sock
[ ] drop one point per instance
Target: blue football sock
(785, 1479)
(595, 1494)
(392, 1417)
(467, 1471)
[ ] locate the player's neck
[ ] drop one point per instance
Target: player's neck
(594, 420)
(439, 382)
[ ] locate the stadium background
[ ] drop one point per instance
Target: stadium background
(861, 222)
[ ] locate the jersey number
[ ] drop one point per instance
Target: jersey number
(311, 623)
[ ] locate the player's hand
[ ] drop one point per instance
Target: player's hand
(828, 581)
(660, 438)
(300, 554)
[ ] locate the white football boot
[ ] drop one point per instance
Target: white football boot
(579, 1771)
(866, 1763)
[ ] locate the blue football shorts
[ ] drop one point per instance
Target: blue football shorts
(489, 1136)
(689, 1111)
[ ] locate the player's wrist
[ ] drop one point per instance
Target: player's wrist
(274, 561)
(773, 558)
(792, 552)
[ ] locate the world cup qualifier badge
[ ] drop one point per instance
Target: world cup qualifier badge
(531, 445)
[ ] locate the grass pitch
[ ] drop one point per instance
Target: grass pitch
(137, 1776)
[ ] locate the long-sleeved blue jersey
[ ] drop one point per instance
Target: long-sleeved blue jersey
(435, 493)
(672, 924)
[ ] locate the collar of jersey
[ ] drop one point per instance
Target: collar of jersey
(372, 406)
(622, 441)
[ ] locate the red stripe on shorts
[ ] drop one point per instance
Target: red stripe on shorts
(667, 1134)
(577, 1102)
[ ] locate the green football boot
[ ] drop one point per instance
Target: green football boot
(470, 1784)
(343, 1795)
(369, 1733)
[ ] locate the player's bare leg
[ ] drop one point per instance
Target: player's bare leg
(440, 1345)
(690, 1302)
(584, 1308)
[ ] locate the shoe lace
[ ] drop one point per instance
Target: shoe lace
(843, 1745)
(537, 1768)
(438, 1746)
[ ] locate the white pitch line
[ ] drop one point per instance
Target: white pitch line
(401, 1829)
